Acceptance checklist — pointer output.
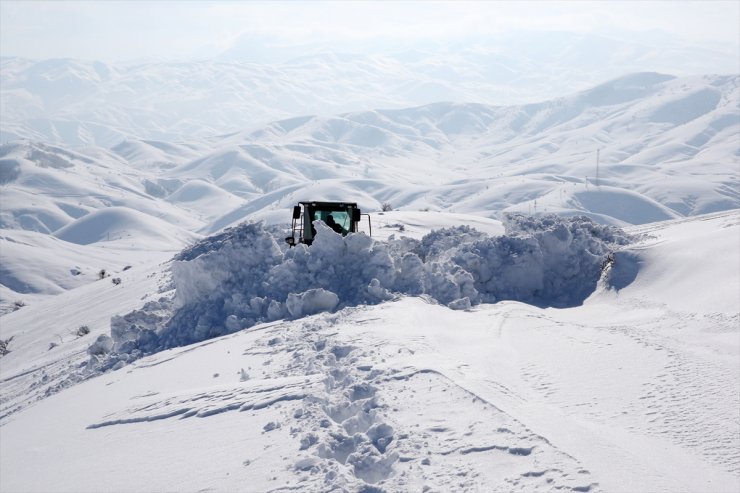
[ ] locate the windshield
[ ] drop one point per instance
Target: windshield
(337, 218)
(340, 217)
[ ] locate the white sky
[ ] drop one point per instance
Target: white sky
(114, 31)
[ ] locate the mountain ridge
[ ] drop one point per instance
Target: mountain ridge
(101, 103)
(653, 134)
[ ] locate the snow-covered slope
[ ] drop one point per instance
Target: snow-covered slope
(35, 263)
(636, 389)
(79, 102)
(550, 300)
(47, 187)
(121, 223)
(666, 147)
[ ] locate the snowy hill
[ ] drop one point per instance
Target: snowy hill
(47, 187)
(118, 223)
(542, 295)
(634, 387)
(75, 102)
(666, 148)
(654, 135)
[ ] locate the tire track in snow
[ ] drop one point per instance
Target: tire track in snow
(695, 401)
(686, 396)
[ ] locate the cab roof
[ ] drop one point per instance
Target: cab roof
(315, 203)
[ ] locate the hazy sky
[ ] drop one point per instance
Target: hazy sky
(114, 31)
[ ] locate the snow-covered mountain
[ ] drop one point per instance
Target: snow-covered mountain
(75, 102)
(653, 134)
(665, 147)
(552, 302)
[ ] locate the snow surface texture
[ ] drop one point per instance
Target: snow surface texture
(242, 277)
(636, 390)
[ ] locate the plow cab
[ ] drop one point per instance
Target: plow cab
(342, 217)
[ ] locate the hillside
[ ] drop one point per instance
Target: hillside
(370, 247)
(84, 103)
(653, 134)
(666, 148)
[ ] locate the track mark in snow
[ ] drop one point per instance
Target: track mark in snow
(538, 379)
(684, 394)
(471, 445)
(689, 403)
(381, 422)
(693, 400)
(23, 389)
(251, 395)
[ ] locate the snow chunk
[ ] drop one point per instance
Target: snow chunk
(311, 301)
(102, 345)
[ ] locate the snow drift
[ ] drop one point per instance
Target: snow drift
(245, 276)
(119, 223)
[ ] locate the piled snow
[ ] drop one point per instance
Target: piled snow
(242, 277)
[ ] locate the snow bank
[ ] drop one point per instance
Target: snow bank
(246, 275)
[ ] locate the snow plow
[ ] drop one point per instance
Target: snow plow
(342, 217)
